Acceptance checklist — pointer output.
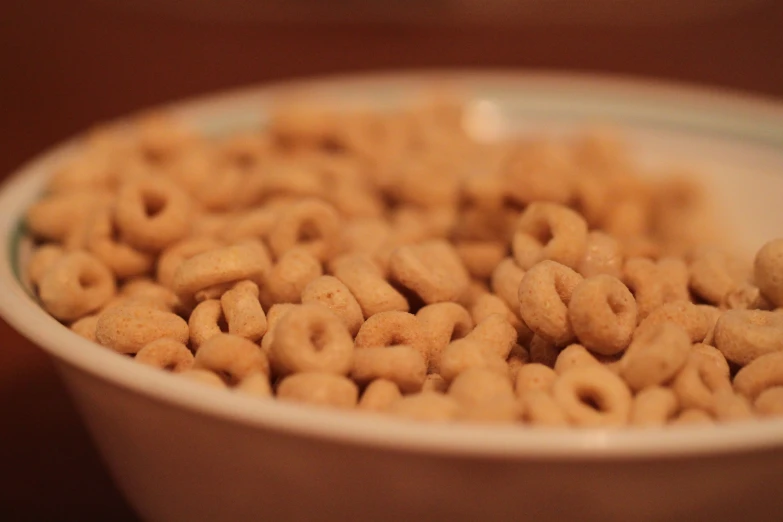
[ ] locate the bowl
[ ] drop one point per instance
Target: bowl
(181, 451)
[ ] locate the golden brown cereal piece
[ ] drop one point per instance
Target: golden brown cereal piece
(713, 356)
(496, 334)
(592, 396)
(768, 271)
(100, 233)
(480, 257)
(538, 171)
(310, 224)
(603, 255)
(320, 389)
(148, 290)
(287, 279)
(242, 311)
(549, 231)
(85, 327)
(462, 354)
(273, 315)
(763, 372)
(602, 314)
(173, 256)
(231, 357)
(255, 385)
(655, 284)
(152, 213)
(332, 293)
(367, 285)
(426, 406)
(207, 377)
(57, 216)
(730, 407)
(379, 395)
(41, 260)
(544, 294)
(488, 304)
(442, 323)
(540, 409)
(75, 285)
(693, 417)
(400, 364)
(533, 376)
(206, 321)
(573, 356)
(714, 274)
(769, 403)
(505, 283)
(393, 328)
(221, 266)
(310, 338)
(166, 354)
(696, 320)
(744, 335)
(431, 269)
(484, 396)
(127, 329)
(653, 406)
(655, 356)
(698, 382)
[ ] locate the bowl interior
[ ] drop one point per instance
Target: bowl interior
(733, 144)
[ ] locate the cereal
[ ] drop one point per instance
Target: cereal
(387, 260)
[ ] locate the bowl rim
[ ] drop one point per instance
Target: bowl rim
(746, 116)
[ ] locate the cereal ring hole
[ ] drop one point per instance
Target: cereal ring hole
(153, 203)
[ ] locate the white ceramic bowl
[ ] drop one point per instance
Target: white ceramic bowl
(183, 452)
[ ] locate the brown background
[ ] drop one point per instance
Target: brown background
(65, 65)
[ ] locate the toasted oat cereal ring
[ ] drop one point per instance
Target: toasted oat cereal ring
(56, 216)
(655, 284)
(602, 313)
(593, 396)
(232, 357)
(174, 255)
(655, 356)
(401, 364)
(321, 389)
(310, 338)
(364, 280)
(166, 354)
(768, 271)
(540, 409)
(42, 259)
(488, 304)
(332, 293)
(549, 231)
(694, 319)
(463, 354)
(426, 406)
(101, 240)
(152, 213)
(653, 406)
(442, 323)
(744, 335)
(544, 294)
(206, 321)
(698, 382)
(713, 275)
(244, 261)
(505, 282)
(289, 276)
(379, 395)
(769, 403)
(75, 285)
(480, 257)
(127, 329)
(496, 334)
(148, 290)
(85, 327)
(431, 269)
(273, 316)
(242, 311)
(207, 377)
(763, 372)
(310, 224)
(603, 255)
(393, 328)
(255, 385)
(573, 356)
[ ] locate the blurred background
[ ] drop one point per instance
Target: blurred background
(67, 65)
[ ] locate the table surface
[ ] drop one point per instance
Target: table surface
(67, 65)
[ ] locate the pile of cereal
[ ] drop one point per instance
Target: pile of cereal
(387, 261)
